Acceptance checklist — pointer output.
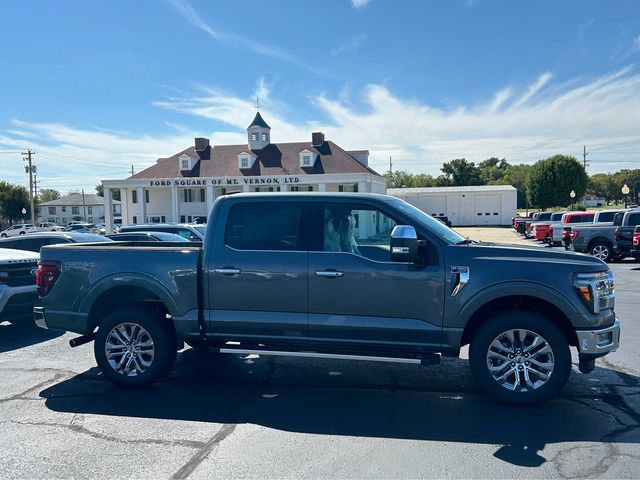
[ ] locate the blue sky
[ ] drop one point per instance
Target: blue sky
(94, 87)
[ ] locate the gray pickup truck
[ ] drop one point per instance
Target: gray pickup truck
(599, 240)
(347, 276)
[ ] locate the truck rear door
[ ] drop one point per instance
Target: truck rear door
(257, 275)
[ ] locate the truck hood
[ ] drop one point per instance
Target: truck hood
(10, 255)
(524, 253)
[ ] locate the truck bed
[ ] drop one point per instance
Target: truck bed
(87, 270)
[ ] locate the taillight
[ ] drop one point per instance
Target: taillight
(574, 235)
(46, 276)
(636, 239)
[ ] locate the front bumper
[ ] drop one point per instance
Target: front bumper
(599, 342)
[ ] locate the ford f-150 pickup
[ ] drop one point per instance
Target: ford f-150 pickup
(348, 276)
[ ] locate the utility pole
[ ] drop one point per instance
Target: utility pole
(390, 166)
(132, 170)
(584, 157)
(30, 169)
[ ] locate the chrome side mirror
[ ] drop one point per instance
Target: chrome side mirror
(404, 244)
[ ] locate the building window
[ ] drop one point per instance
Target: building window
(306, 160)
(64, 209)
(203, 197)
(52, 210)
(254, 137)
(256, 189)
(264, 137)
(64, 220)
(295, 189)
(355, 187)
(135, 219)
(185, 164)
(146, 196)
(223, 191)
(57, 220)
(75, 210)
(310, 188)
(341, 188)
(89, 210)
(183, 219)
(134, 196)
(244, 162)
(271, 189)
(186, 195)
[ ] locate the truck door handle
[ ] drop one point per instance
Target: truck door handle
(227, 271)
(328, 273)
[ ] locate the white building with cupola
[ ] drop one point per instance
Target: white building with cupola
(181, 188)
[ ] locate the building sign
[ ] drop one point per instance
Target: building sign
(223, 181)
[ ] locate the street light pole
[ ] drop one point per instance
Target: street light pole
(572, 195)
(625, 192)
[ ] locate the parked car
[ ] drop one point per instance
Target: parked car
(35, 241)
(49, 227)
(568, 219)
(146, 237)
(599, 240)
(298, 275)
(17, 285)
(540, 230)
(542, 217)
(192, 233)
(623, 235)
(80, 227)
(635, 247)
(19, 229)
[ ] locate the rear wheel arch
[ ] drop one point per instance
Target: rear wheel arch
(121, 298)
(593, 241)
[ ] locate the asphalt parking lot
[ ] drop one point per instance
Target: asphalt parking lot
(267, 417)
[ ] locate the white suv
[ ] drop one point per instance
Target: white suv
(17, 285)
(49, 227)
(19, 229)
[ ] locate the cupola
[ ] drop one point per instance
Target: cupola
(258, 133)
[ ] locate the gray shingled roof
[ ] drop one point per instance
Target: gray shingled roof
(76, 199)
(274, 159)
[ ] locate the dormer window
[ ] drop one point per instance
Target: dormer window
(185, 162)
(307, 158)
(245, 160)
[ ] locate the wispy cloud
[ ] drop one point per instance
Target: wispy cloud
(360, 3)
(521, 123)
(351, 44)
(636, 43)
(197, 20)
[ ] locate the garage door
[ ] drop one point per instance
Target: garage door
(434, 205)
(487, 210)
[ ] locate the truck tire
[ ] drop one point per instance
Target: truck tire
(601, 250)
(520, 357)
(135, 347)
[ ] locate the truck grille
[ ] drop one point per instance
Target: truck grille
(18, 274)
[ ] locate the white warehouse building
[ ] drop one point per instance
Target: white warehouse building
(464, 206)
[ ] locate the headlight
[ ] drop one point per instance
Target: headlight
(596, 290)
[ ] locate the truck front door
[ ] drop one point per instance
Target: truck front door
(257, 276)
(357, 294)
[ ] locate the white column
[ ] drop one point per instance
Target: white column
(362, 187)
(174, 203)
(322, 187)
(142, 206)
(108, 211)
(210, 199)
(245, 187)
(124, 206)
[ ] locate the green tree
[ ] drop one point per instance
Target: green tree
(493, 169)
(516, 175)
(13, 198)
(551, 180)
(48, 194)
(461, 173)
(100, 190)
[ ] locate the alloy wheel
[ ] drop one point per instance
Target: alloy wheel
(129, 349)
(520, 360)
(601, 252)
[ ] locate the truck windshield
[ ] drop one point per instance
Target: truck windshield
(427, 221)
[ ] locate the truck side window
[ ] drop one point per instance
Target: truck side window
(264, 226)
(634, 219)
(357, 229)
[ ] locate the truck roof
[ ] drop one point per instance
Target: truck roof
(360, 195)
